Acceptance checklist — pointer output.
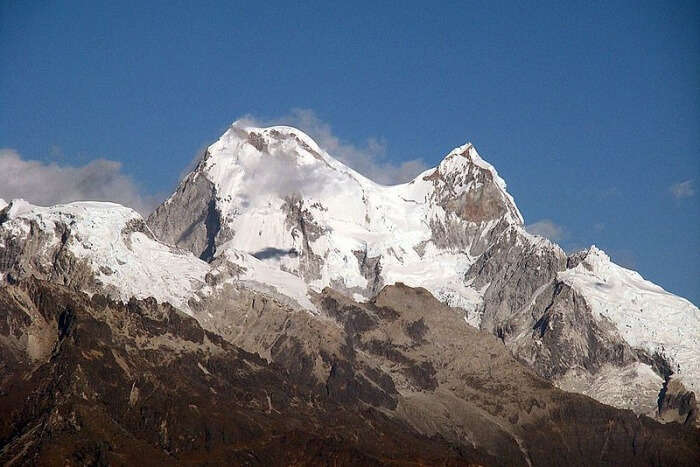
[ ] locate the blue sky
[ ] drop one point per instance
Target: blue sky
(589, 110)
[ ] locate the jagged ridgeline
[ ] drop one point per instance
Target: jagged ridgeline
(281, 308)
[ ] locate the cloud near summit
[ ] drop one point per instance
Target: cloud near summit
(546, 228)
(46, 184)
(369, 159)
(49, 183)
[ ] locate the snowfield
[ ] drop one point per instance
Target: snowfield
(646, 316)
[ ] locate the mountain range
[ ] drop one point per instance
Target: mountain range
(281, 308)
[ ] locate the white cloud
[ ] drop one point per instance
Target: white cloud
(46, 184)
(682, 189)
(283, 177)
(546, 228)
(369, 159)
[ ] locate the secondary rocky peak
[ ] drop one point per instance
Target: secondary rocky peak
(594, 261)
(462, 157)
(470, 187)
(595, 255)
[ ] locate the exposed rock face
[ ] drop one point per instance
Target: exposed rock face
(466, 186)
(189, 218)
(557, 344)
(677, 404)
(117, 383)
(304, 231)
(371, 268)
(513, 270)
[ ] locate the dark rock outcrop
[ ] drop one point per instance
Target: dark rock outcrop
(91, 381)
(143, 383)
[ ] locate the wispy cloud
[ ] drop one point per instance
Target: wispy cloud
(282, 177)
(369, 159)
(682, 190)
(50, 183)
(610, 192)
(546, 228)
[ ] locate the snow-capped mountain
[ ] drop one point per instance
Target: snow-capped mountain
(268, 213)
(275, 194)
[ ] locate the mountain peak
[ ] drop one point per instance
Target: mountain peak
(470, 186)
(597, 253)
(276, 194)
(271, 140)
(274, 131)
(467, 154)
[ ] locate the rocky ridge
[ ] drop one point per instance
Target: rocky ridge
(89, 380)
